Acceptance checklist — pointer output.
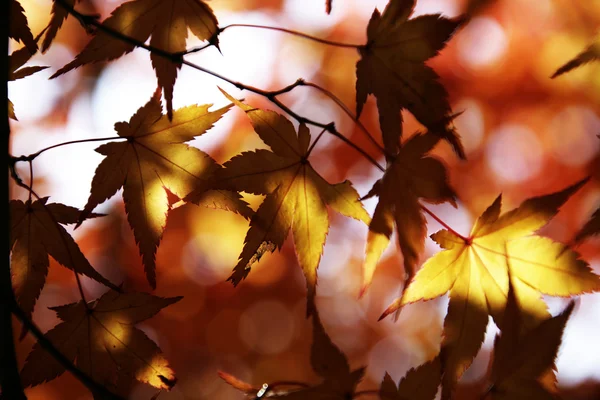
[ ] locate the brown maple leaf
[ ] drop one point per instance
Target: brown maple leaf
(297, 196)
(18, 28)
(420, 383)
(59, 14)
(166, 22)
(410, 176)
(591, 228)
(101, 340)
(16, 60)
(523, 364)
(155, 157)
(589, 54)
(392, 67)
(36, 232)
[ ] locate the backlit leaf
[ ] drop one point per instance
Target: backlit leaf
(36, 232)
(19, 28)
(420, 383)
(165, 22)
(392, 67)
(522, 358)
(296, 195)
(155, 157)
(101, 340)
(591, 53)
(475, 271)
(410, 176)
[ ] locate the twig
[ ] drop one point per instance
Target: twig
(295, 33)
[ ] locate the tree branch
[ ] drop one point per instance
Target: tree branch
(9, 369)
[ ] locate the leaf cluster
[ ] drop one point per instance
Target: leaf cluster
(500, 270)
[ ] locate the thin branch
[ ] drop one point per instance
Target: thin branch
(295, 33)
(10, 380)
(178, 59)
(33, 156)
(341, 104)
(445, 225)
(312, 146)
(47, 345)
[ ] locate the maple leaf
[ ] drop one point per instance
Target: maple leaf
(392, 67)
(18, 28)
(59, 15)
(475, 270)
(589, 54)
(166, 22)
(420, 383)
(36, 232)
(101, 340)
(155, 157)
(326, 359)
(296, 195)
(591, 228)
(522, 359)
(410, 176)
(16, 60)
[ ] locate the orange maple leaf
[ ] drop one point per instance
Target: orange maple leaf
(297, 196)
(166, 22)
(36, 232)
(155, 157)
(409, 177)
(392, 67)
(475, 270)
(101, 340)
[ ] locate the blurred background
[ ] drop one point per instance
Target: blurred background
(525, 134)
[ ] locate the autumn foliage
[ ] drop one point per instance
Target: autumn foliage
(405, 131)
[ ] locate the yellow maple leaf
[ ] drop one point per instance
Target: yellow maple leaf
(523, 364)
(166, 22)
(102, 341)
(297, 196)
(392, 67)
(410, 176)
(155, 157)
(475, 270)
(36, 232)
(420, 383)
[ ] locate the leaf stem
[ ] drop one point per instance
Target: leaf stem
(441, 222)
(33, 156)
(295, 33)
(341, 104)
(314, 143)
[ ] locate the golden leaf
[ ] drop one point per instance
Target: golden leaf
(155, 157)
(297, 196)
